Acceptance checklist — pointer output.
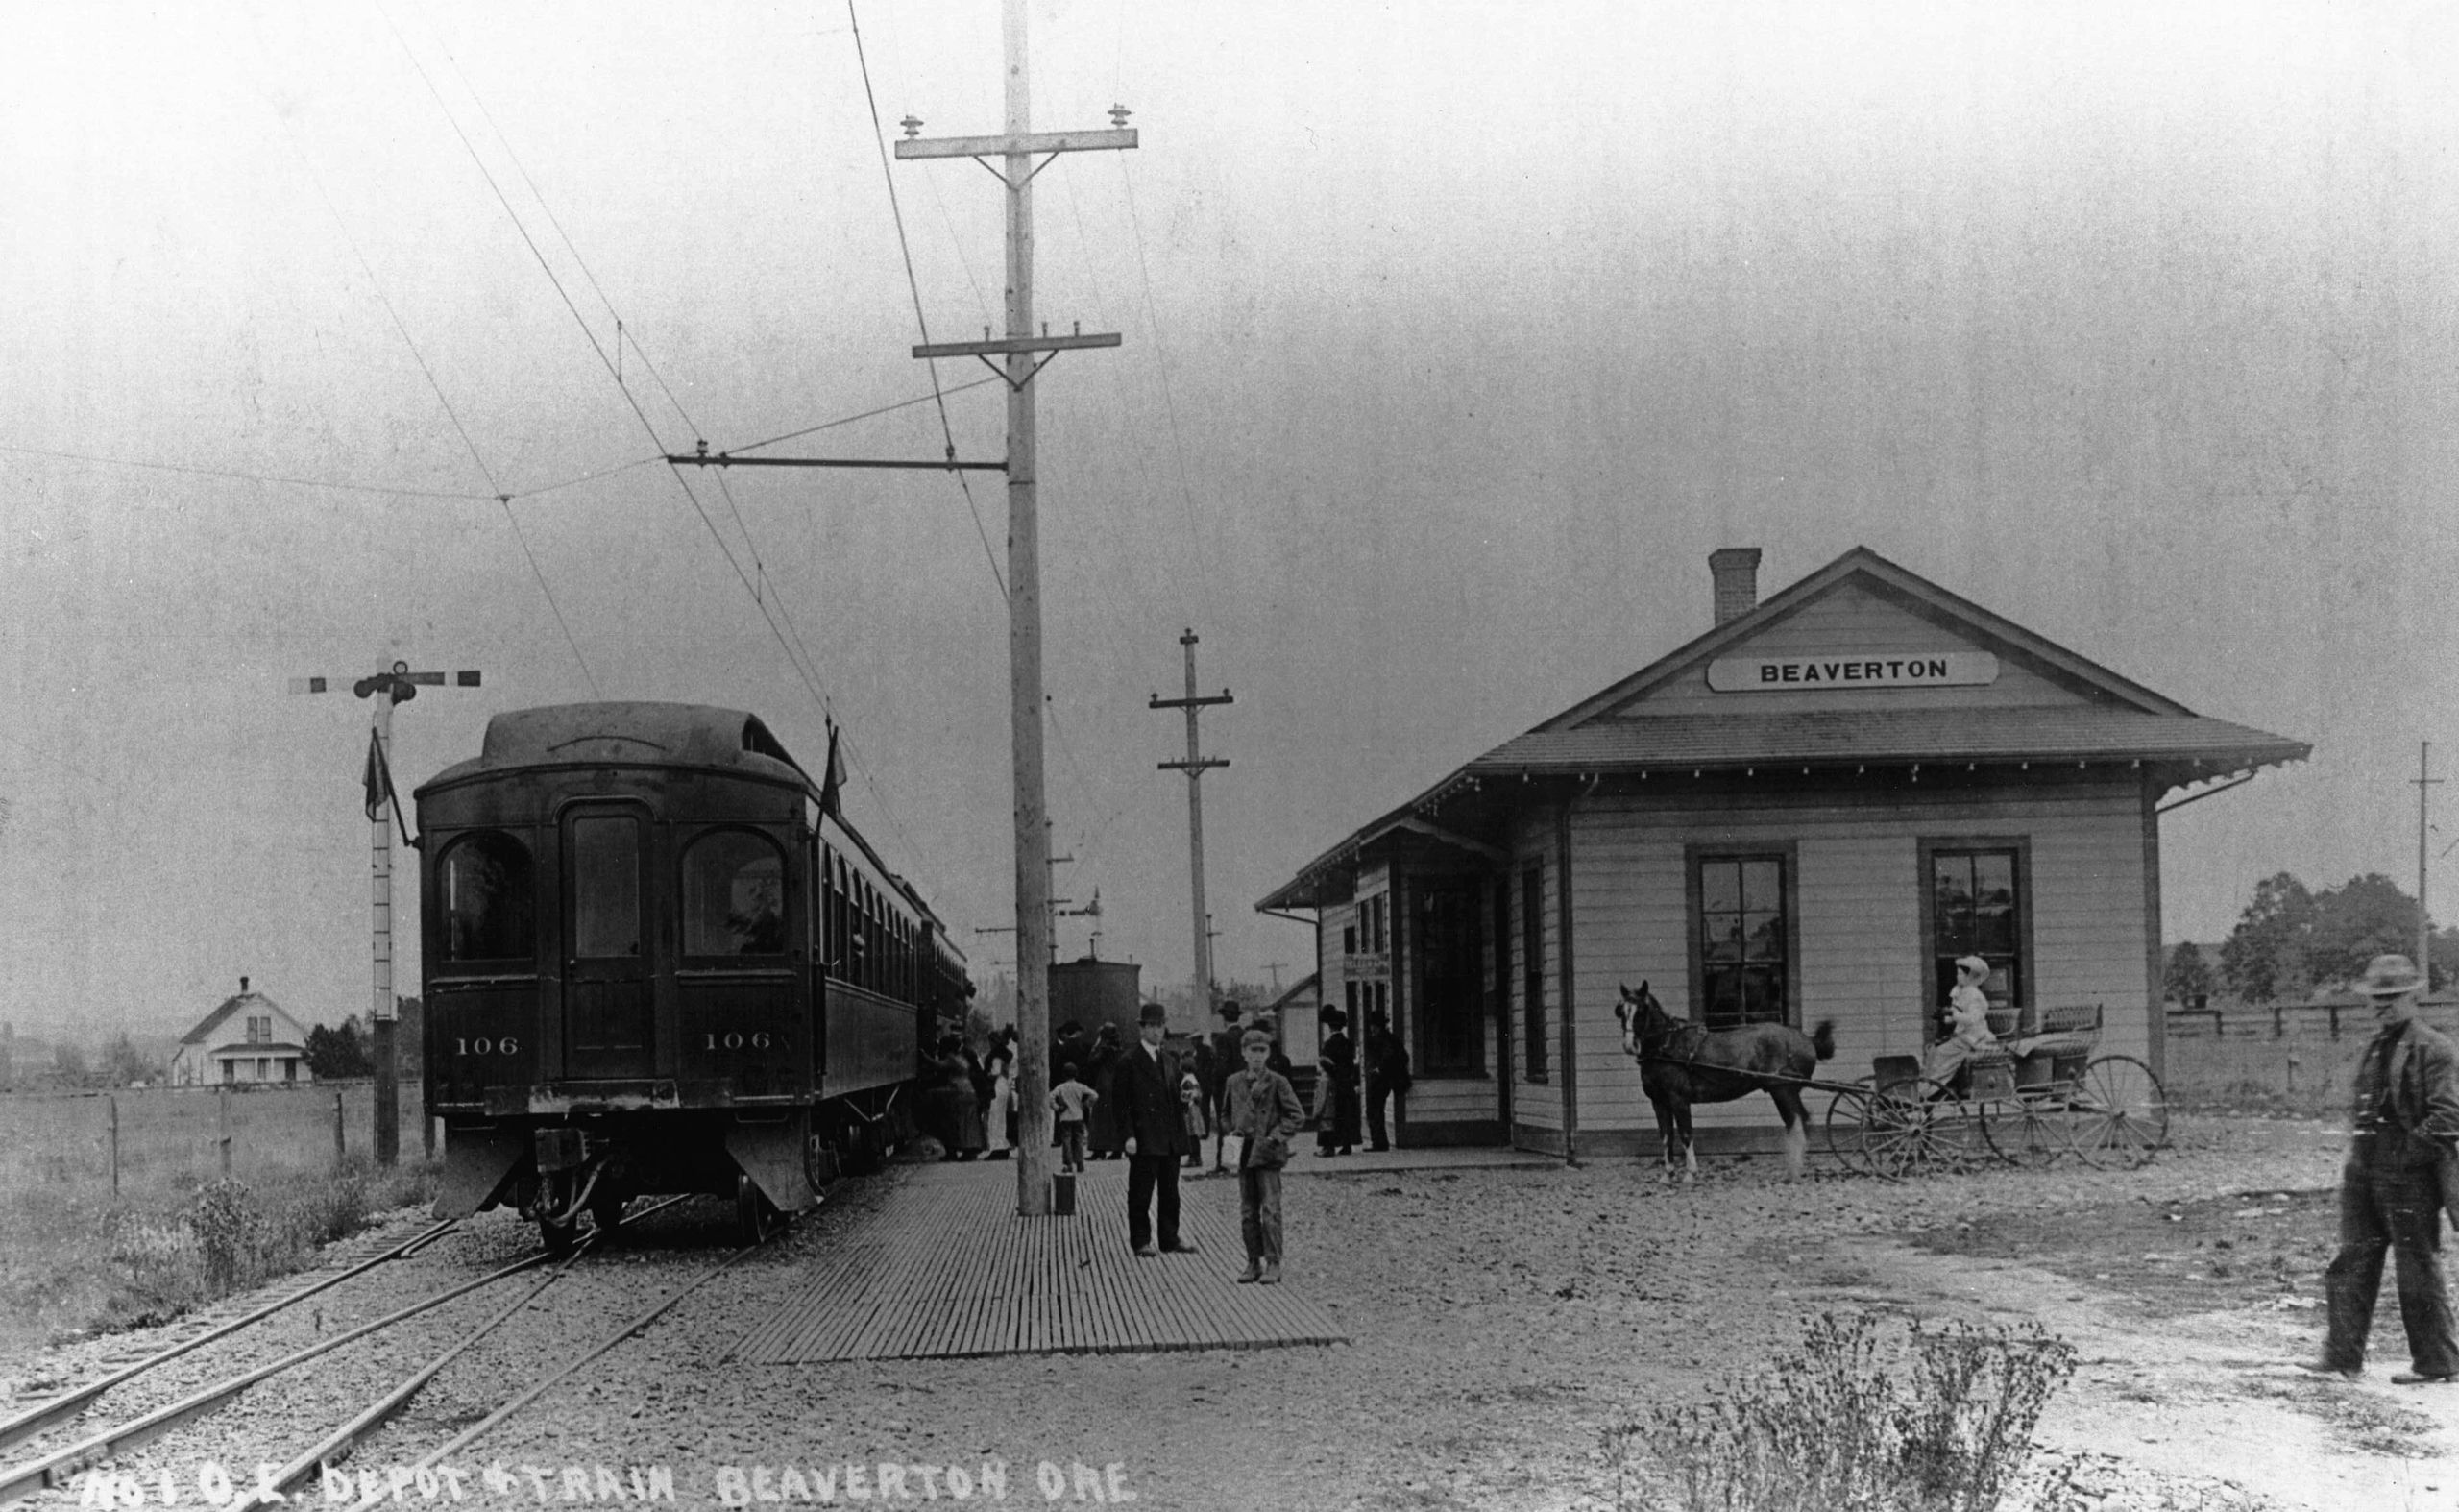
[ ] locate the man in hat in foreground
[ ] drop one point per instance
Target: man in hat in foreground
(2407, 1125)
(1144, 1093)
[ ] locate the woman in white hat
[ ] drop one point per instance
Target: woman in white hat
(1967, 1018)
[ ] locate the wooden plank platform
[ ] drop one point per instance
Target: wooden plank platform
(944, 1269)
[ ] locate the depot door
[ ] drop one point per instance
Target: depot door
(607, 962)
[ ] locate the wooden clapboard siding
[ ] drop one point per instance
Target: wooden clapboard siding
(1535, 1103)
(1857, 899)
(1853, 619)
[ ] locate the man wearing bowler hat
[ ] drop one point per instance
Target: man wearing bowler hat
(1144, 1084)
(2407, 1124)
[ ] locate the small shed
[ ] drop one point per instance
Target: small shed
(1807, 813)
(248, 1039)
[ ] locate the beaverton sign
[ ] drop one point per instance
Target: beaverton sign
(1855, 669)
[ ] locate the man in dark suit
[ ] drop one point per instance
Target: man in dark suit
(1144, 1096)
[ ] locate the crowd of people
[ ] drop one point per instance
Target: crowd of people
(1154, 1108)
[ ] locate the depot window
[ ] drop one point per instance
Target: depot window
(734, 895)
(1977, 903)
(1742, 949)
(487, 903)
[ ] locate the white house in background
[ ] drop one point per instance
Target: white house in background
(247, 1039)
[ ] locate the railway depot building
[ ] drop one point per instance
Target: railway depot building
(1807, 813)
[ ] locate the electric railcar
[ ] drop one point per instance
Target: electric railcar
(654, 961)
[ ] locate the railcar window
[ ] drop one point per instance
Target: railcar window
(734, 896)
(487, 900)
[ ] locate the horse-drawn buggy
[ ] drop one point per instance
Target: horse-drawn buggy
(2040, 1093)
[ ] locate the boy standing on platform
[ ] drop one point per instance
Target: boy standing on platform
(1069, 1100)
(1264, 1116)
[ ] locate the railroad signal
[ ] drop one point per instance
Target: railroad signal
(396, 684)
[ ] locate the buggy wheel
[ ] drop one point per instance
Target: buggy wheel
(1848, 1115)
(2122, 1113)
(1920, 1128)
(2030, 1131)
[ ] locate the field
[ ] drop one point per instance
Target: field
(79, 1255)
(2306, 1072)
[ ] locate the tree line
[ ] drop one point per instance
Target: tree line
(2292, 942)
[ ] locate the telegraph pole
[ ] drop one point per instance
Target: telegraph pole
(1016, 149)
(2426, 783)
(386, 688)
(1195, 765)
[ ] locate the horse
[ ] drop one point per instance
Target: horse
(1681, 1064)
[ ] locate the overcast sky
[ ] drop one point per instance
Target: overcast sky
(1455, 337)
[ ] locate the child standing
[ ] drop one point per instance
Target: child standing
(1264, 1114)
(1071, 1099)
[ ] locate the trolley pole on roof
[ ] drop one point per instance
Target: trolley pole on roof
(1015, 150)
(400, 685)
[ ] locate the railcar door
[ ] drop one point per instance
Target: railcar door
(607, 963)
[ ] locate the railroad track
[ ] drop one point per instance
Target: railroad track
(60, 1466)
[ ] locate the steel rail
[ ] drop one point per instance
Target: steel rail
(26, 1424)
(474, 1431)
(56, 1469)
(269, 1489)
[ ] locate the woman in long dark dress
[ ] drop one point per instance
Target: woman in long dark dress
(1101, 1122)
(1336, 1114)
(965, 1075)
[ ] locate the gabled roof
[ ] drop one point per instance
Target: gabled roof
(1311, 982)
(230, 1008)
(1861, 567)
(2104, 716)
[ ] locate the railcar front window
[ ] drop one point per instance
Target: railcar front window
(486, 900)
(734, 896)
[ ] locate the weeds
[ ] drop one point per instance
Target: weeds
(229, 1238)
(1938, 1421)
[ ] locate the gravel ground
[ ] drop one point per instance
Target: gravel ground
(1503, 1321)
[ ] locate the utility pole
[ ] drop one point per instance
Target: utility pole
(2426, 783)
(1275, 967)
(1016, 148)
(400, 685)
(1195, 767)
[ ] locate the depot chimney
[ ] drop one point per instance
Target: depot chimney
(243, 986)
(1736, 571)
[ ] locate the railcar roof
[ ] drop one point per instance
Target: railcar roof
(591, 734)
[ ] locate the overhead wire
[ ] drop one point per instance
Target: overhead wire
(797, 652)
(443, 400)
(1169, 398)
(239, 476)
(921, 322)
